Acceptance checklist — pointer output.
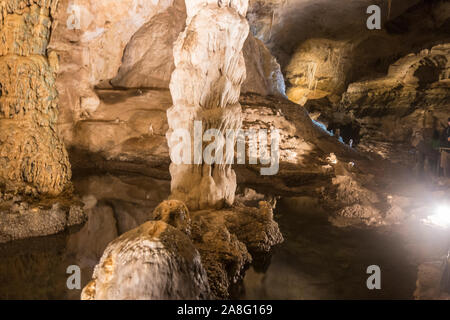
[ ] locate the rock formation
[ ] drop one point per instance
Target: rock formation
(32, 157)
(412, 98)
(168, 266)
(318, 69)
(205, 86)
(391, 114)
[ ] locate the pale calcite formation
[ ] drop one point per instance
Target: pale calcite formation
(32, 156)
(154, 261)
(205, 86)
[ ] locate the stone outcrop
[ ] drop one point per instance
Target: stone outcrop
(32, 156)
(228, 238)
(22, 218)
(264, 75)
(318, 69)
(175, 213)
(89, 38)
(205, 86)
(410, 101)
(154, 261)
(148, 57)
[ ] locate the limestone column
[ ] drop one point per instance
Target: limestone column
(205, 86)
(32, 156)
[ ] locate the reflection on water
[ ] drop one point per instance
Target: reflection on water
(36, 268)
(316, 261)
(319, 261)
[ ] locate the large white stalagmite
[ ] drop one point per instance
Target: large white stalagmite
(205, 86)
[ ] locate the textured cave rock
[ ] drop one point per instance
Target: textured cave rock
(154, 261)
(205, 86)
(284, 26)
(32, 157)
(323, 45)
(91, 52)
(228, 238)
(148, 57)
(264, 75)
(318, 69)
(411, 101)
(132, 197)
(129, 45)
(175, 213)
(34, 163)
(127, 127)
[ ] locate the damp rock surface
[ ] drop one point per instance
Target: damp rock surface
(21, 218)
(228, 238)
(154, 261)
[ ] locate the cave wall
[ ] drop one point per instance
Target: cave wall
(129, 45)
(33, 158)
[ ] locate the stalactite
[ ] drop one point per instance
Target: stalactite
(32, 156)
(205, 86)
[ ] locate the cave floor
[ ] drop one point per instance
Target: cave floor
(321, 261)
(316, 261)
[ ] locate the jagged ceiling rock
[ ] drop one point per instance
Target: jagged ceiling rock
(285, 24)
(359, 53)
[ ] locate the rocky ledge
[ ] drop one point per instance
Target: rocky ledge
(22, 217)
(196, 255)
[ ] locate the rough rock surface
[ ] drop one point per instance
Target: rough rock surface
(175, 213)
(128, 127)
(227, 239)
(103, 53)
(32, 156)
(264, 75)
(22, 218)
(284, 26)
(411, 100)
(89, 39)
(154, 261)
(148, 57)
(318, 69)
(131, 197)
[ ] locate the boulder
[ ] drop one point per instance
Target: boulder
(152, 262)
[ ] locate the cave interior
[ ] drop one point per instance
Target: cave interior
(233, 149)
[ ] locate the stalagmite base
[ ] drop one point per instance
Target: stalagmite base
(33, 160)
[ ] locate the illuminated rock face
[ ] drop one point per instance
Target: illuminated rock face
(318, 69)
(205, 86)
(154, 261)
(32, 157)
